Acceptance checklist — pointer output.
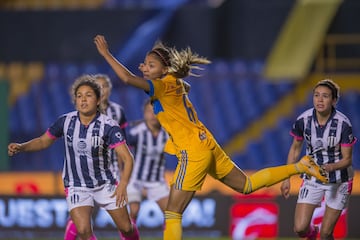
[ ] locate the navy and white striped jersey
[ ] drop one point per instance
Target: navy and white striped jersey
(324, 142)
(87, 162)
(148, 153)
(116, 112)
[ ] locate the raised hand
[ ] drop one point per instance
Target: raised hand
(101, 45)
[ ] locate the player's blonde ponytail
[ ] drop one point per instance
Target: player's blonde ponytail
(182, 62)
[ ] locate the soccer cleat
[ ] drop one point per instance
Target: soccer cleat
(308, 165)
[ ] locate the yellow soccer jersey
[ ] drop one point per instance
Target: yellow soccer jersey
(177, 115)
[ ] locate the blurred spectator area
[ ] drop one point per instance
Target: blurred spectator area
(231, 97)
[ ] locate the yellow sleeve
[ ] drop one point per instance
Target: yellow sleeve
(170, 147)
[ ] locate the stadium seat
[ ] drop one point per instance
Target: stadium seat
(255, 157)
(27, 114)
(238, 68)
(267, 93)
(45, 109)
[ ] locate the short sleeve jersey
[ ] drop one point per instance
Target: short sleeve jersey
(116, 112)
(148, 151)
(324, 143)
(177, 115)
(87, 163)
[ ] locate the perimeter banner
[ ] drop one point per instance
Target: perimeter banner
(32, 204)
(213, 215)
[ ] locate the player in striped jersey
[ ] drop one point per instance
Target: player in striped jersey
(113, 110)
(328, 136)
(116, 112)
(87, 177)
(197, 151)
(147, 139)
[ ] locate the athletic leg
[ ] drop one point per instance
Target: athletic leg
(177, 203)
(330, 219)
(124, 224)
(81, 216)
(240, 182)
(302, 220)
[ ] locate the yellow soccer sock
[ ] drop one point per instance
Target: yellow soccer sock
(269, 176)
(173, 228)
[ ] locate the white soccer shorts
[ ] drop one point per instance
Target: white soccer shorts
(335, 195)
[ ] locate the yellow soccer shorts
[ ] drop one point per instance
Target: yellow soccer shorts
(194, 164)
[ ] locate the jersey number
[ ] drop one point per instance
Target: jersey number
(189, 109)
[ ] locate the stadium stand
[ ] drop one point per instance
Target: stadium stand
(228, 99)
(231, 97)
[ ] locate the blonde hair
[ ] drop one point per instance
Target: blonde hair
(182, 62)
(105, 77)
(179, 63)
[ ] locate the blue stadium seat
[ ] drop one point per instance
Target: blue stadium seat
(284, 87)
(238, 68)
(266, 92)
(135, 100)
(71, 71)
(53, 72)
(89, 68)
(247, 97)
(255, 156)
(283, 129)
(271, 148)
(44, 105)
(27, 114)
(256, 67)
(231, 108)
(241, 161)
(59, 94)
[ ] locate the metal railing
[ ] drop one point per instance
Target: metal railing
(329, 59)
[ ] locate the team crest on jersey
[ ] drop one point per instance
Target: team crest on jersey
(81, 145)
(318, 146)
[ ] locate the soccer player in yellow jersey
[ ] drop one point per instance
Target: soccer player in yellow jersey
(197, 151)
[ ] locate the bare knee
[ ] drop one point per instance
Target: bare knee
(127, 229)
(300, 230)
(84, 232)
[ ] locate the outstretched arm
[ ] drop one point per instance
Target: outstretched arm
(121, 71)
(36, 144)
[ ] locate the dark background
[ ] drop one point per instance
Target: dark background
(238, 28)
